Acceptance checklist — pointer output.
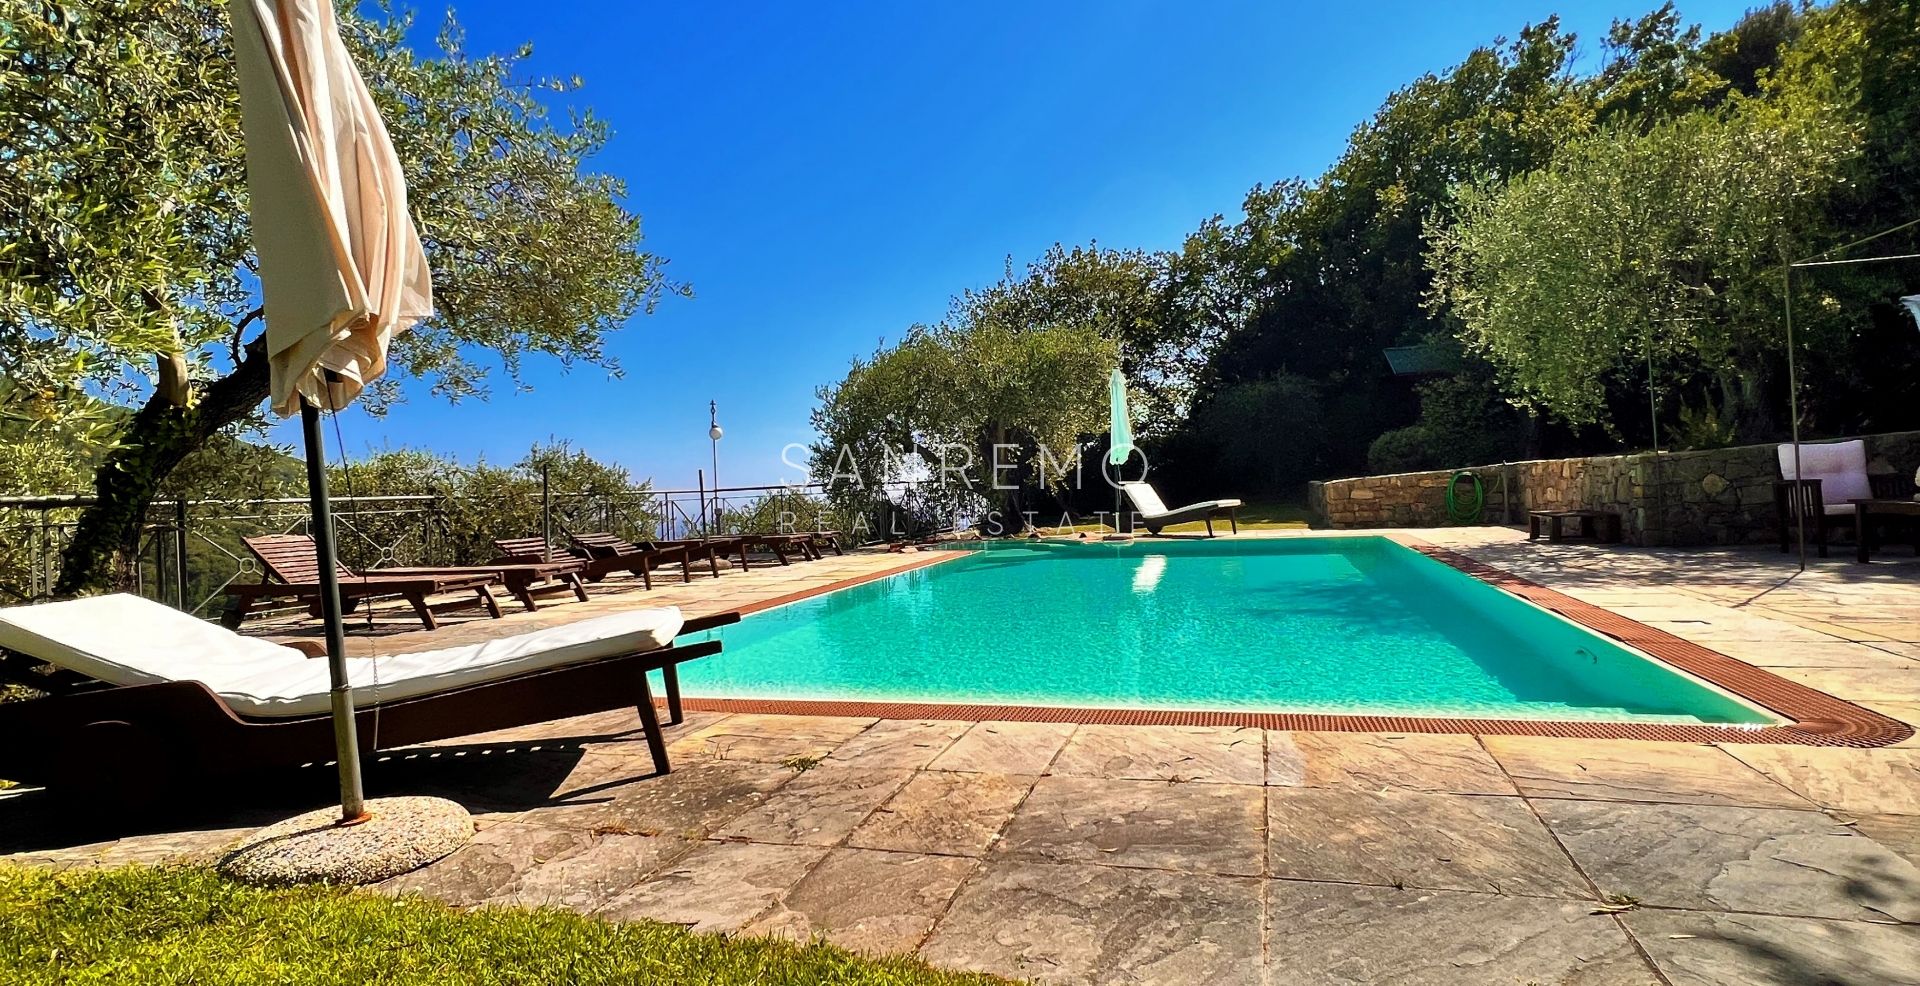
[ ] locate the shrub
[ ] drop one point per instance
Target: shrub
(1406, 449)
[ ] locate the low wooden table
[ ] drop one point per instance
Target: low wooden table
(1867, 512)
(1602, 526)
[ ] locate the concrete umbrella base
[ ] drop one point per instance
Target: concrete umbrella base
(402, 834)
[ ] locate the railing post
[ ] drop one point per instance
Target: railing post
(42, 581)
(180, 553)
(426, 526)
(546, 512)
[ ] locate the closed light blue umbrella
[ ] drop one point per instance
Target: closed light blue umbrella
(1121, 429)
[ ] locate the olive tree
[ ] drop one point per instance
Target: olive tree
(989, 413)
(1664, 246)
(126, 264)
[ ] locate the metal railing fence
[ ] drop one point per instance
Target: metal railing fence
(190, 550)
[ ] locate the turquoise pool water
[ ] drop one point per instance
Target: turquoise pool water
(1337, 625)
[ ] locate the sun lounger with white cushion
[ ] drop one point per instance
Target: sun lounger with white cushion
(1155, 514)
(135, 684)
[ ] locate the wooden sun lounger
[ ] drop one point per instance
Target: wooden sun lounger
(592, 568)
(781, 543)
(114, 740)
(292, 571)
(292, 554)
(711, 548)
(609, 549)
(523, 580)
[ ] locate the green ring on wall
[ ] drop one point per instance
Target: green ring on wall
(1468, 512)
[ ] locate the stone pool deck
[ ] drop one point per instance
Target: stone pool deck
(1190, 854)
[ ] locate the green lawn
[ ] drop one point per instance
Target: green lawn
(139, 925)
(1257, 515)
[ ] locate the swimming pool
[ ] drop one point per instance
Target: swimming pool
(1337, 625)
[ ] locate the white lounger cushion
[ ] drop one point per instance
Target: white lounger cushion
(128, 640)
(1841, 468)
(1147, 502)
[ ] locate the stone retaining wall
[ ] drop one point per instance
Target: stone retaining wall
(1715, 496)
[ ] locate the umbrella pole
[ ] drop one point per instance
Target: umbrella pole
(346, 742)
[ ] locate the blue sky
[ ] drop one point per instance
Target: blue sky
(825, 175)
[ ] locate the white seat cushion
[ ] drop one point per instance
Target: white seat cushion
(128, 640)
(1145, 499)
(1841, 468)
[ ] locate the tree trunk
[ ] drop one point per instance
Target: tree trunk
(106, 541)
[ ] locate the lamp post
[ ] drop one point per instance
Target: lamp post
(714, 434)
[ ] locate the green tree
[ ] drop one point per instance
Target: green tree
(1663, 247)
(1129, 296)
(1320, 276)
(990, 413)
(467, 505)
(125, 256)
(1267, 436)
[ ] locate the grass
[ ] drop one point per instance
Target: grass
(139, 925)
(1257, 515)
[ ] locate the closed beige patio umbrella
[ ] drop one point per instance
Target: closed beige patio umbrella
(341, 267)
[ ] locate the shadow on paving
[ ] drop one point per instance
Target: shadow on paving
(485, 777)
(1578, 566)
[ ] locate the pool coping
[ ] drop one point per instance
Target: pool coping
(1815, 718)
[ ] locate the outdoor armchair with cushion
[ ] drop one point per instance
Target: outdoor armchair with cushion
(1832, 476)
(141, 692)
(292, 571)
(1155, 514)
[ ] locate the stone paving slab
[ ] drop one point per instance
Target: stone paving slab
(1860, 684)
(821, 807)
(1911, 651)
(1635, 770)
(1875, 781)
(1192, 828)
(944, 812)
(1804, 654)
(1208, 754)
(1383, 761)
(769, 738)
(1762, 860)
(1415, 839)
(1899, 834)
(1067, 923)
(869, 901)
(1322, 934)
(1701, 949)
(907, 743)
(1006, 748)
(720, 886)
(690, 803)
(539, 865)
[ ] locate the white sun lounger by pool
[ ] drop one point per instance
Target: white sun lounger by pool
(1155, 514)
(134, 671)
